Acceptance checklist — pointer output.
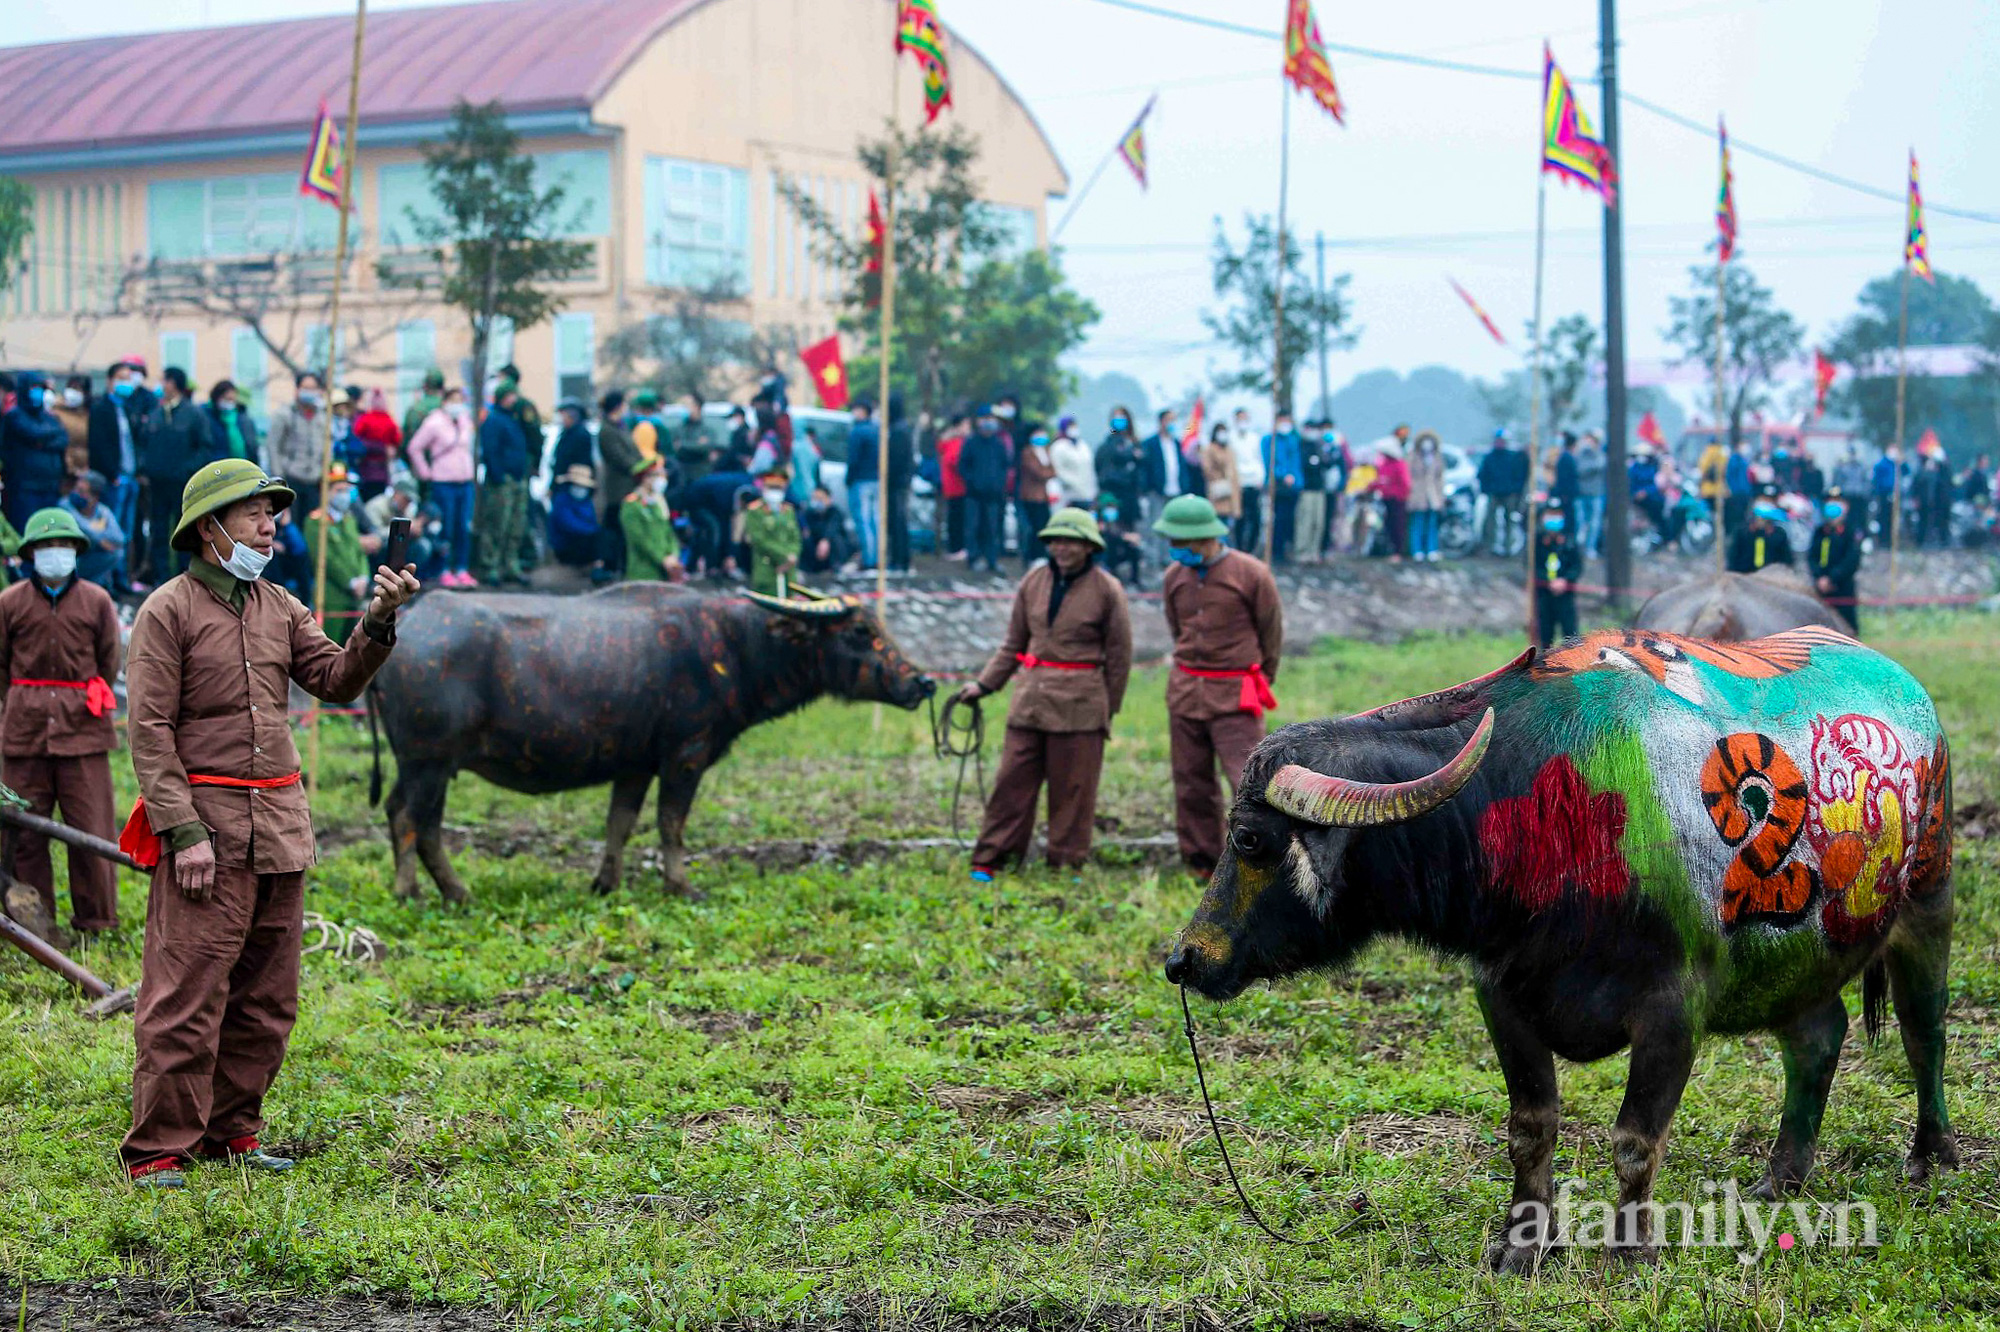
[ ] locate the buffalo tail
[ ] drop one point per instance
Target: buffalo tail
(375, 745)
(1874, 997)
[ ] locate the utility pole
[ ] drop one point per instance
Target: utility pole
(1325, 398)
(1618, 506)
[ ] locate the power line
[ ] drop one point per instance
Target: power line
(1503, 72)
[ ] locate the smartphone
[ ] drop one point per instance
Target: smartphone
(396, 551)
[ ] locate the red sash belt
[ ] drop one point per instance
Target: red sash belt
(140, 842)
(1257, 698)
(1031, 661)
(97, 695)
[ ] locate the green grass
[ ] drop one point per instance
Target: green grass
(883, 1094)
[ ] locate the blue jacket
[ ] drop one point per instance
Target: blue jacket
(982, 464)
(32, 441)
(1286, 462)
(1736, 476)
(864, 452)
(1503, 472)
(1565, 488)
(1885, 475)
(1153, 468)
(503, 447)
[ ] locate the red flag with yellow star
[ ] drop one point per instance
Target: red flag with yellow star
(829, 372)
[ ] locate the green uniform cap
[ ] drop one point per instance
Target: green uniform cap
(1189, 518)
(56, 524)
(219, 485)
(645, 398)
(645, 465)
(1075, 525)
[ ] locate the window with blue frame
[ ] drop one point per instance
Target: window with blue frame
(697, 223)
(225, 217)
(584, 176)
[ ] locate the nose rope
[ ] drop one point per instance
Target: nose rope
(1360, 1203)
(964, 741)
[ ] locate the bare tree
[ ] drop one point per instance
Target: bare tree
(697, 342)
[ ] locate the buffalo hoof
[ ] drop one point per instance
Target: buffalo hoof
(686, 891)
(603, 886)
(1928, 1158)
(455, 893)
(1513, 1259)
(1639, 1255)
(1782, 1182)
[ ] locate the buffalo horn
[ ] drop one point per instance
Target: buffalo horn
(1337, 802)
(823, 608)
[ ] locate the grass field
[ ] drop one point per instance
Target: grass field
(883, 1096)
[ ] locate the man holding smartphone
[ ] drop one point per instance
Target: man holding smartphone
(222, 818)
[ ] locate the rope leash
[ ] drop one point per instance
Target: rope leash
(964, 741)
(350, 944)
(1359, 1202)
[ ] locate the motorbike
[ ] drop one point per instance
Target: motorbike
(1691, 521)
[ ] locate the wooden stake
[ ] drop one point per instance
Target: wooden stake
(332, 366)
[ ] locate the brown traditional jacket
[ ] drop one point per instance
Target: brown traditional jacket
(1091, 626)
(71, 639)
(1226, 618)
(207, 693)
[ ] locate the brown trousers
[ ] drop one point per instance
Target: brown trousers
(1196, 745)
(218, 993)
(1069, 761)
(82, 786)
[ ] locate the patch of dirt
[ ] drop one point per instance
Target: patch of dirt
(1042, 1224)
(1977, 820)
(989, 1102)
(720, 1025)
(705, 1126)
(1394, 1135)
(500, 1010)
(133, 1306)
(867, 1312)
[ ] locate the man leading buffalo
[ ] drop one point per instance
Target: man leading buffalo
(1072, 637)
(1222, 609)
(223, 818)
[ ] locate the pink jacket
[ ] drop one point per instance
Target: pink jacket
(1392, 479)
(441, 450)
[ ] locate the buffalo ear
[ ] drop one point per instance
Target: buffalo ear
(822, 609)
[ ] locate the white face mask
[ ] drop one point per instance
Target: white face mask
(457, 410)
(658, 486)
(72, 397)
(245, 563)
(54, 563)
(773, 497)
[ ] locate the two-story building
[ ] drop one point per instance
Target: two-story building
(165, 169)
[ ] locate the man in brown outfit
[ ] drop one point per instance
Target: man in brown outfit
(58, 651)
(1071, 635)
(1222, 609)
(224, 819)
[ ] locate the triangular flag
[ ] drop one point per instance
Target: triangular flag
(1484, 318)
(1133, 146)
(321, 176)
(920, 31)
(1725, 200)
(1305, 59)
(1917, 242)
(1570, 148)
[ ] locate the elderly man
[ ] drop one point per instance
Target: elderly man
(224, 820)
(58, 649)
(1222, 609)
(1072, 637)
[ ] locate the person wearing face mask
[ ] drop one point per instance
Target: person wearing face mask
(1283, 468)
(441, 454)
(1068, 650)
(864, 475)
(1309, 513)
(223, 822)
(72, 408)
(178, 444)
(826, 543)
(1249, 527)
(1119, 473)
(1558, 564)
(1763, 540)
(771, 530)
(298, 435)
(229, 423)
(500, 511)
(347, 552)
(32, 445)
(115, 443)
(1228, 629)
(982, 464)
(105, 553)
(573, 532)
(652, 549)
(58, 650)
(1076, 469)
(1833, 558)
(1034, 470)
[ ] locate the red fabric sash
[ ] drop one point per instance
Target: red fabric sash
(1031, 661)
(97, 695)
(1256, 699)
(140, 842)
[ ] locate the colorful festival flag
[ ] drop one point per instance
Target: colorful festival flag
(1917, 243)
(877, 233)
(1191, 437)
(1482, 316)
(1725, 202)
(1305, 59)
(920, 31)
(828, 370)
(1133, 146)
(1823, 372)
(1650, 432)
(1570, 147)
(320, 177)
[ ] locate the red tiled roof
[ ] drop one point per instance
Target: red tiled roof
(531, 55)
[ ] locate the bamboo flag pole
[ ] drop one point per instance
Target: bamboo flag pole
(332, 366)
(1278, 326)
(1532, 517)
(888, 329)
(1902, 379)
(1083, 193)
(1721, 288)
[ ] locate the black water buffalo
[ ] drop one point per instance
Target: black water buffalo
(1734, 607)
(642, 681)
(1635, 840)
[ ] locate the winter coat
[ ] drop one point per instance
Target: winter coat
(1118, 471)
(1426, 480)
(573, 449)
(619, 455)
(379, 437)
(32, 444)
(1076, 470)
(950, 482)
(1249, 461)
(76, 424)
(1503, 472)
(1218, 472)
(441, 450)
(293, 448)
(1392, 478)
(982, 463)
(107, 453)
(1590, 470)
(1280, 454)
(503, 447)
(864, 452)
(1036, 469)
(1565, 487)
(178, 442)
(219, 428)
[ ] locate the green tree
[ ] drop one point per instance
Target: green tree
(1758, 338)
(696, 344)
(970, 318)
(1569, 355)
(1246, 281)
(493, 236)
(17, 223)
(1964, 410)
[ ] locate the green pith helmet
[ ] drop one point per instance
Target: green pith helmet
(1073, 525)
(645, 398)
(219, 485)
(1189, 518)
(52, 525)
(645, 465)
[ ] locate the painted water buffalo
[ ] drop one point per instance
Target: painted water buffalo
(1635, 839)
(1736, 607)
(643, 681)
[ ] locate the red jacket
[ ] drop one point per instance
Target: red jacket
(949, 481)
(380, 436)
(1392, 479)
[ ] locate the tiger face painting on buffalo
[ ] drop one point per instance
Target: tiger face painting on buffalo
(1636, 839)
